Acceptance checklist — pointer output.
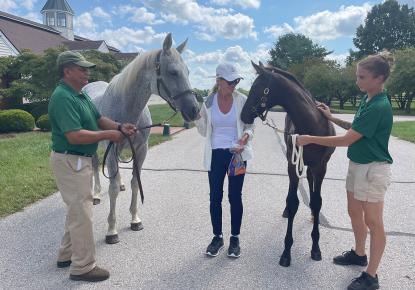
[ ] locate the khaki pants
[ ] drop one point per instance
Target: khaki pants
(73, 176)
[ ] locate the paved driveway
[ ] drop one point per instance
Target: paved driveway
(168, 253)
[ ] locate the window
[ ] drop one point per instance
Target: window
(69, 21)
(61, 19)
(50, 19)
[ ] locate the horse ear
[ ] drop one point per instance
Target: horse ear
(167, 42)
(182, 46)
(259, 68)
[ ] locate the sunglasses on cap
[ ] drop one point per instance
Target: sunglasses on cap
(231, 83)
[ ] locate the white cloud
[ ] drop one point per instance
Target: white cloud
(235, 54)
(275, 31)
(324, 25)
(28, 4)
(328, 25)
(205, 36)
(139, 14)
(411, 3)
(101, 13)
(33, 16)
(202, 66)
(84, 22)
(340, 58)
(202, 72)
(209, 21)
(129, 39)
(7, 5)
(242, 3)
(261, 53)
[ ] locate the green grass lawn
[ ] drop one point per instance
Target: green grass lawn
(25, 174)
(349, 109)
(404, 130)
(162, 112)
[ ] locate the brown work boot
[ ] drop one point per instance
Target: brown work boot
(95, 275)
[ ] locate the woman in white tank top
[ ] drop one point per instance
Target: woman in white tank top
(220, 123)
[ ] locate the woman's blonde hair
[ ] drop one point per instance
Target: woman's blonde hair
(214, 89)
(380, 64)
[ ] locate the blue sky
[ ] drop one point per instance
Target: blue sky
(218, 30)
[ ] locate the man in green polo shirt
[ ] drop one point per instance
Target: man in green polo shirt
(77, 127)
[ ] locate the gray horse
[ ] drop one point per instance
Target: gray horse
(124, 99)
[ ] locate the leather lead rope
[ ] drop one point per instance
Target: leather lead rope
(135, 164)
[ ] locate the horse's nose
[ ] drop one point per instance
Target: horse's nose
(195, 110)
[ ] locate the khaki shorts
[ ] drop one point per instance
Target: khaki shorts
(368, 182)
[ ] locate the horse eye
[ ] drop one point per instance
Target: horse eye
(174, 72)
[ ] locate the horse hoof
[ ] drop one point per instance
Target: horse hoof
(122, 187)
(316, 256)
(112, 239)
(137, 226)
(96, 201)
(285, 261)
(285, 213)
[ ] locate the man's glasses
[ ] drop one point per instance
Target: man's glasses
(232, 83)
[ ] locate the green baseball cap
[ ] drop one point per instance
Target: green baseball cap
(73, 57)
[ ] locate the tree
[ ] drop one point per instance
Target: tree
(401, 82)
(201, 94)
(37, 76)
(8, 74)
(322, 81)
(107, 65)
(299, 69)
(34, 77)
(293, 49)
(387, 26)
(348, 90)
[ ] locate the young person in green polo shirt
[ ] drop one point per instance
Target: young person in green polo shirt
(369, 173)
(77, 127)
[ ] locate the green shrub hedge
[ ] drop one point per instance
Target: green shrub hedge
(37, 109)
(16, 120)
(40, 110)
(43, 123)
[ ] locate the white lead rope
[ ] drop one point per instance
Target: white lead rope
(297, 158)
(296, 155)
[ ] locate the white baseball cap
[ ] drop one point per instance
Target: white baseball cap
(228, 72)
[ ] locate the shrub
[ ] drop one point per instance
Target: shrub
(16, 121)
(43, 123)
(39, 110)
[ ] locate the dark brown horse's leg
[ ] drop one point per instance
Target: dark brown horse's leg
(292, 207)
(310, 180)
(315, 204)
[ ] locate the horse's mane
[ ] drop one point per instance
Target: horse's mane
(124, 80)
(289, 76)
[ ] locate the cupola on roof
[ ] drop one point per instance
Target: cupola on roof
(60, 5)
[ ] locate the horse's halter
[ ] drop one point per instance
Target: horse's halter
(171, 100)
(262, 102)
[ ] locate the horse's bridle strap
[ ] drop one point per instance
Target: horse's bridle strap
(161, 83)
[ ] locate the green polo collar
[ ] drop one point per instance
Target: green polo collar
(70, 89)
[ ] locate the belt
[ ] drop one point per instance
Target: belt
(73, 153)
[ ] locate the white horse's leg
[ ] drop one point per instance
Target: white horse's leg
(113, 190)
(136, 224)
(140, 146)
(141, 152)
(97, 184)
